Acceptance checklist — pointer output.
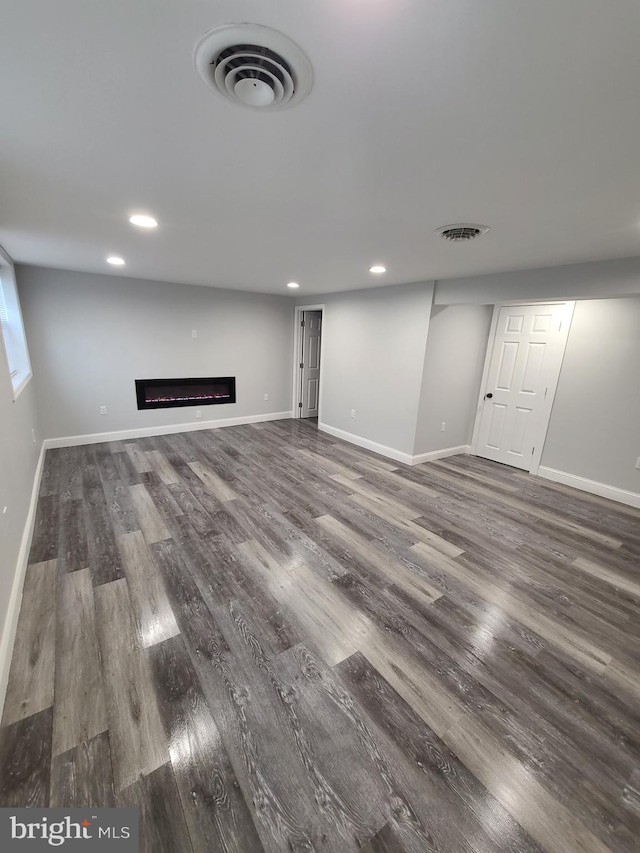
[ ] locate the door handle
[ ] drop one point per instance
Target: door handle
(488, 396)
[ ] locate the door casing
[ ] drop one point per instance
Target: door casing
(297, 349)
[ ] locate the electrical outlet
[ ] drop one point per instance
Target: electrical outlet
(266, 396)
(353, 413)
(194, 333)
(443, 426)
(4, 511)
(103, 410)
(638, 462)
(198, 413)
(33, 435)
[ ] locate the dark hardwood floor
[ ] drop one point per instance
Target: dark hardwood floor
(266, 639)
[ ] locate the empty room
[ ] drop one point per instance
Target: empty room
(320, 426)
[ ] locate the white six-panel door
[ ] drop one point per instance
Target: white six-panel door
(311, 346)
(520, 382)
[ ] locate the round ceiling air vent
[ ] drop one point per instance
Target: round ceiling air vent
(253, 66)
(462, 232)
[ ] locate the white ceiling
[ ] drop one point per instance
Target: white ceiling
(520, 115)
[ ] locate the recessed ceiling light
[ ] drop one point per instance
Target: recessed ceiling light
(293, 284)
(377, 269)
(143, 221)
(115, 261)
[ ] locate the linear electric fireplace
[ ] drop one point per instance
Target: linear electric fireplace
(170, 393)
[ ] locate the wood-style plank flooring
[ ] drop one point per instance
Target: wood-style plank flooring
(269, 640)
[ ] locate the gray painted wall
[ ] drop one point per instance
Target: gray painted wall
(90, 336)
(18, 461)
(594, 430)
(373, 346)
(454, 358)
(599, 280)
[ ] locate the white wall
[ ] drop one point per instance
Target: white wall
(594, 430)
(18, 460)
(373, 348)
(454, 358)
(599, 280)
(90, 336)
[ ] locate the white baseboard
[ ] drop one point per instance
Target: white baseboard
(440, 454)
(15, 599)
(391, 452)
(144, 432)
(382, 449)
(595, 488)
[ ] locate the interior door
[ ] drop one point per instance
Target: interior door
(310, 369)
(524, 367)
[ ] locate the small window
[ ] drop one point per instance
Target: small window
(13, 337)
(4, 323)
